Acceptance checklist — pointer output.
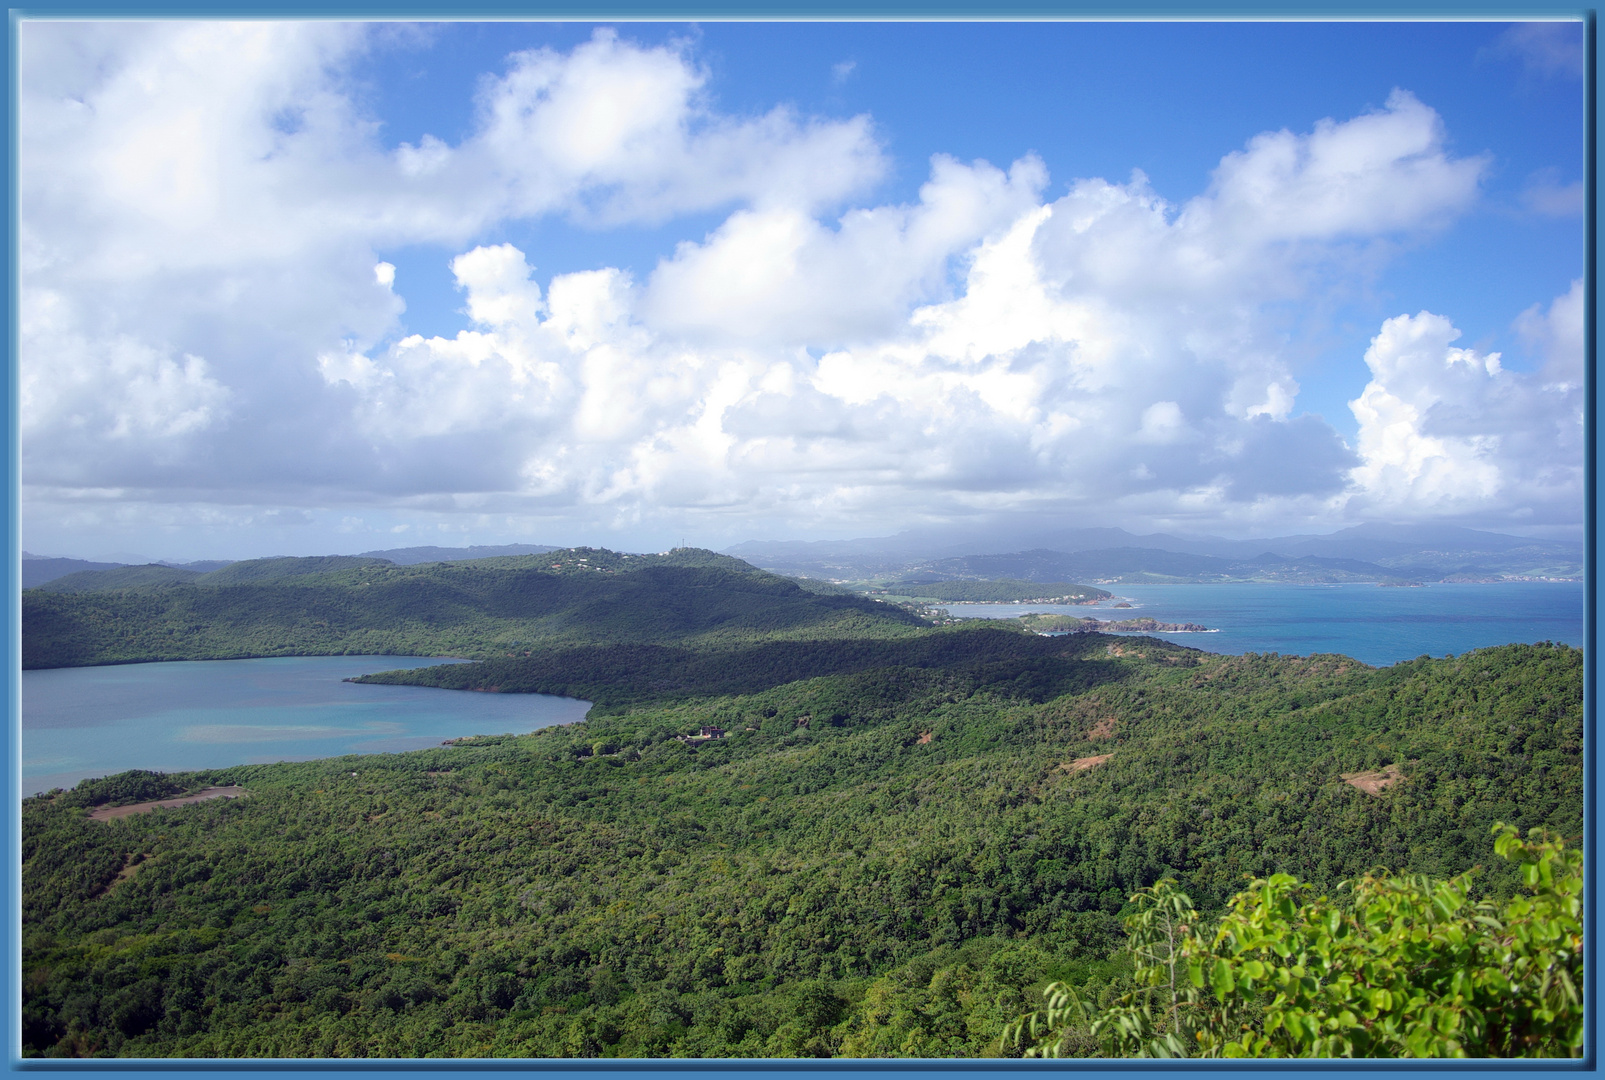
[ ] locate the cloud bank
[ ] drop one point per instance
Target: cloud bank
(209, 333)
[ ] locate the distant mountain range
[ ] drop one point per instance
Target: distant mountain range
(38, 570)
(411, 556)
(1375, 552)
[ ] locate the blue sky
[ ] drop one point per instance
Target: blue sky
(1092, 100)
(299, 288)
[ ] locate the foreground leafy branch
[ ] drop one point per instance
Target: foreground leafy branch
(1411, 966)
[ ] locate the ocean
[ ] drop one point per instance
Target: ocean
(1374, 624)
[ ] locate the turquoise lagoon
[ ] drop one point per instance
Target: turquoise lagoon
(91, 721)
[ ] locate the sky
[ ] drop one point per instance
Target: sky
(323, 287)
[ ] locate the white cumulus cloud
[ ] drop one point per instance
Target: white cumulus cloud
(981, 348)
(206, 315)
(206, 200)
(1449, 430)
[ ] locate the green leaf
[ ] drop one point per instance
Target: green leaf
(1221, 980)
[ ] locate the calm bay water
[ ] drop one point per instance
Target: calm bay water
(1370, 623)
(79, 722)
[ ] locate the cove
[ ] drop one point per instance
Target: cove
(205, 714)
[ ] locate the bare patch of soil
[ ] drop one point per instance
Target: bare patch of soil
(106, 813)
(1103, 729)
(1082, 764)
(1372, 783)
(925, 737)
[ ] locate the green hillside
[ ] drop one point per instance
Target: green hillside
(795, 823)
(892, 860)
(476, 609)
(278, 569)
(615, 676)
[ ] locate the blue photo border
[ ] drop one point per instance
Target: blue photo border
(708, 10)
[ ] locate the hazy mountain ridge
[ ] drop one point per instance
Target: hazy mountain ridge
(1132, 565)
(235, 573)
(1362, 553)
(409, 556)
(37, 569)
(1375, 552)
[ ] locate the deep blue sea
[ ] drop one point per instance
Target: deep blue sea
(91, 721)
(1368, 622)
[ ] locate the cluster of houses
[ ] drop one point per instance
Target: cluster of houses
(706, 732)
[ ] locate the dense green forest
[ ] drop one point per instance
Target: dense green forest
(903, 836)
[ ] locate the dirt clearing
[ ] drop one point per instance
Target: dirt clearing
(106, 813)
(1372, 783)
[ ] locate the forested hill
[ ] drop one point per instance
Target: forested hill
(616, 676)
(888, 862)
(796, 823)
(477, 609)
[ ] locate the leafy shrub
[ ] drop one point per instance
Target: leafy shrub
(1410, 967)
